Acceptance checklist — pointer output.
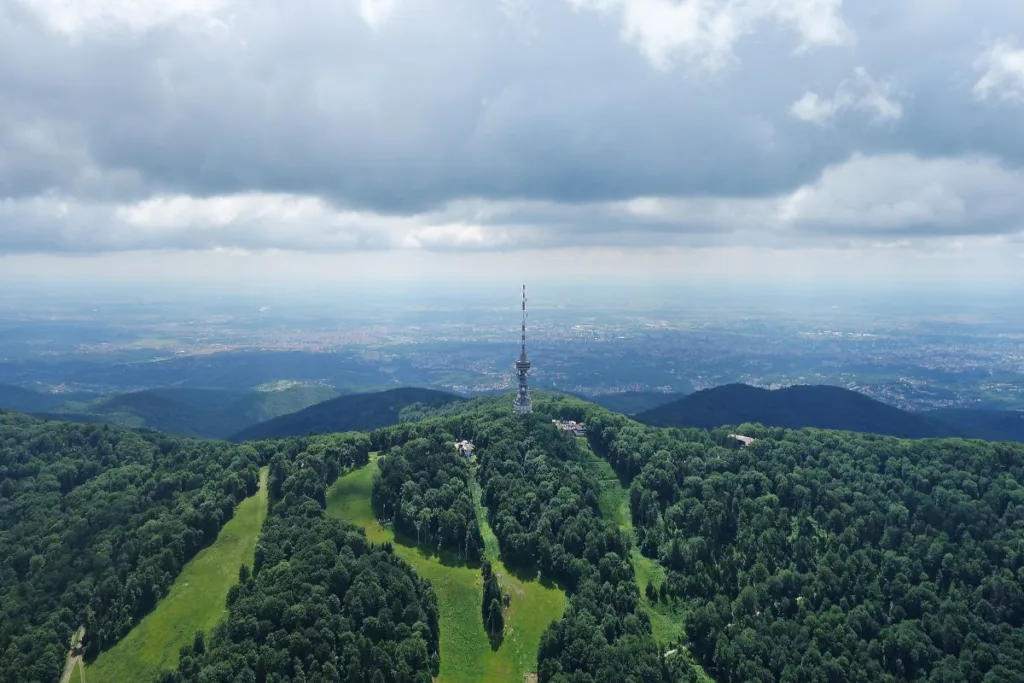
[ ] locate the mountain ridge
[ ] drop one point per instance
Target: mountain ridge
(795, 407)
(363, 412)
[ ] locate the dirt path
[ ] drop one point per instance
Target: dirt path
(74, 657)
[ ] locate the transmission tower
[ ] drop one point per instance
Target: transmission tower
(522, 403)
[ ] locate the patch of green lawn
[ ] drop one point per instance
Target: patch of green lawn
(76, 674)
(196, 601)
(466, 653)
(534, 604)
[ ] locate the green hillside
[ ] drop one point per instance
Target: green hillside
(196, 601)
(825, 407)
(206, 413)
(346, 413)
(809, 554)
(993, 425)
(96, 523)
(633, 402)
(27, 401)
(466, 652)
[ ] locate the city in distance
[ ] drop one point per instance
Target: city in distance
(917, 350)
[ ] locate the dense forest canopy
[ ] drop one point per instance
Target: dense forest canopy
(833, 556)
(424, 489)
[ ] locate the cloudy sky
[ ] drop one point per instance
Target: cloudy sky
(801, 139)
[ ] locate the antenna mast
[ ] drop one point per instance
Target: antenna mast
(522, 404)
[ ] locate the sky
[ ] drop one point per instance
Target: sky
(761, 141)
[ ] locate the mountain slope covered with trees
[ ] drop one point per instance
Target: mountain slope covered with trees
(808, 555)
(819, 555)
(345, 413)
(542, 505)
(321, 603)
(821, 406)
(97, 521)
(205, 413)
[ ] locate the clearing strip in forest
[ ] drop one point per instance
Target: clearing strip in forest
(196, 602)
(666, 621)
(534, 604)
(466, 652)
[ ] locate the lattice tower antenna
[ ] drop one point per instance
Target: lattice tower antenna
(522, 403)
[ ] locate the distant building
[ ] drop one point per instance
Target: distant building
(744, 440)
(571, 427)
(464, 448)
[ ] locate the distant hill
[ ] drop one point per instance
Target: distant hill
(992, 425)
(633, 402)
(208, 413)
(347, 413)
(24, 400)
(821, 406)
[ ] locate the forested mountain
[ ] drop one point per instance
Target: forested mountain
(633, 402)
(543, 507)
(993, 425)
(353, 412)
(815, 555)
(28, 401)
(183, 411)
(809, 555)
(825, 407)
(97, 521)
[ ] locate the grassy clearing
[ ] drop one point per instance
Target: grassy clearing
(466, 654)
(77, 675)
(534, 604)
(196, 602)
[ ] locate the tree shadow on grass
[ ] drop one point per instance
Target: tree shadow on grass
(444, 557)
(496, 640)
(524, 573)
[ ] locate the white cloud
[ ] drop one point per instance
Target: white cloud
(706, 31)
(814, 108)
(456, 236)
(902, 194)
(885, 199)
(77, 17)
(864, 93)
(1002, 67)
(376, 12)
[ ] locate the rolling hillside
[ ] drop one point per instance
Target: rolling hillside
(208, 413)
(27, 401)
(992, 425)
(347, 413)
(633, 402)
(825, 407)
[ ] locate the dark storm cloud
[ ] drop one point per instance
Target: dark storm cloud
(560, 112)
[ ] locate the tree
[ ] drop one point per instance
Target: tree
(495, 619)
